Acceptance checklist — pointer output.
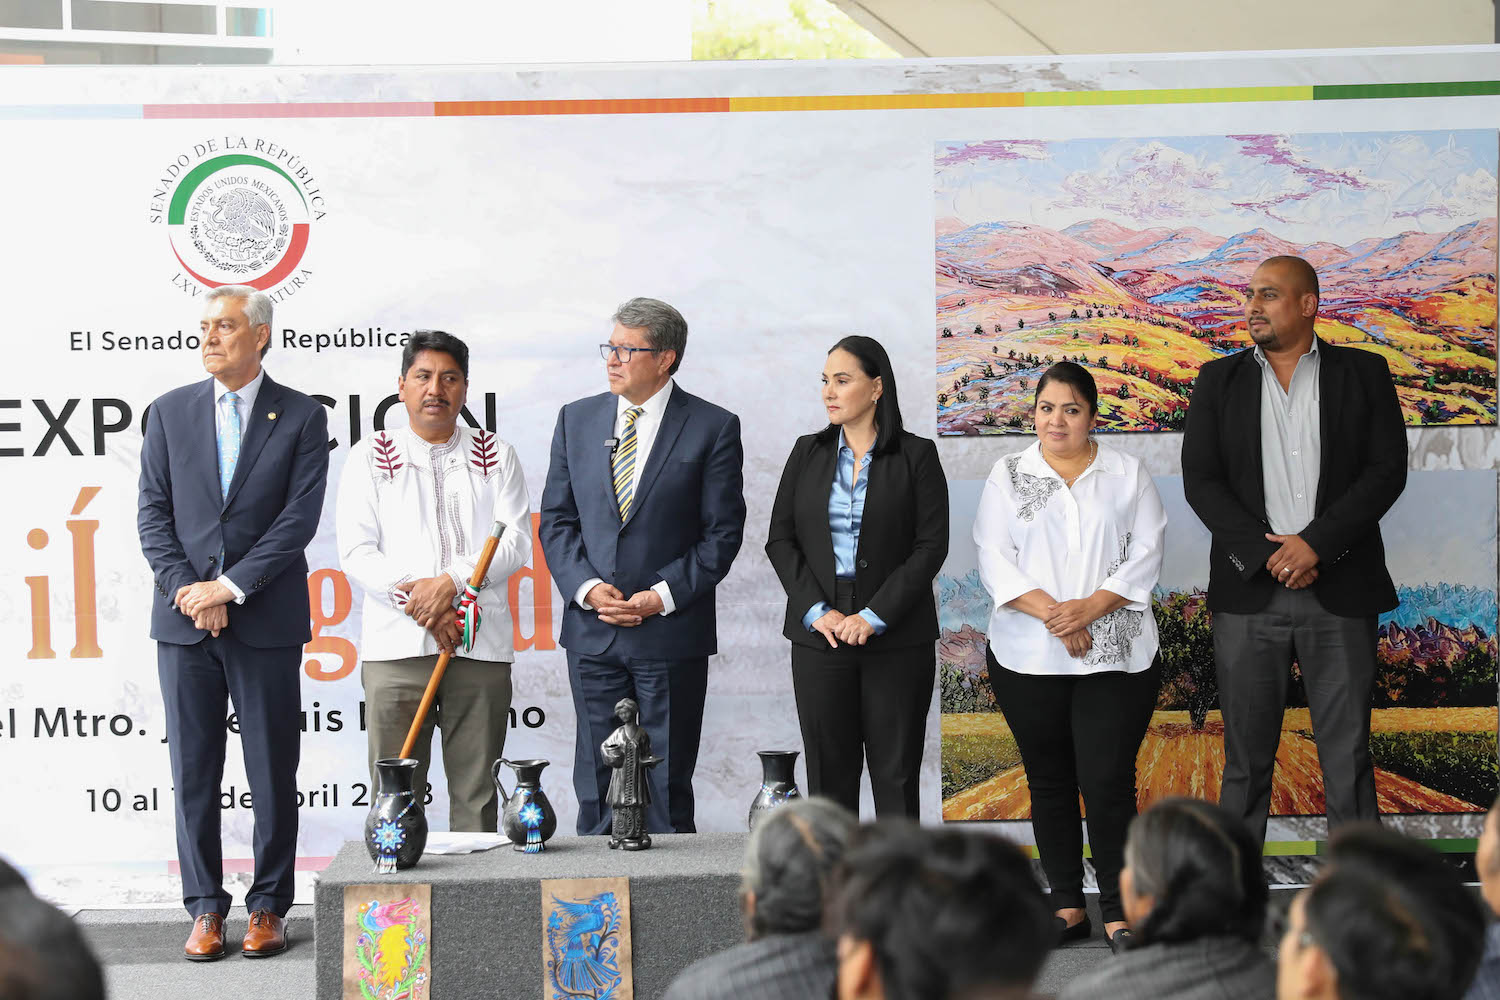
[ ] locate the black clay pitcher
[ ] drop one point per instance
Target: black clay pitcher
(396, 827)
(778, 782)
(526, 817)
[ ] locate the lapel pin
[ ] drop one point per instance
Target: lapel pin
(270, 416)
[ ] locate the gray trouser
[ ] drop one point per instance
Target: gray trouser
(472, 708)
(1253, 654)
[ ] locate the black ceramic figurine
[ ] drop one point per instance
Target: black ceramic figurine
(778, 782)
(628, 751)
(527, 818)
(396, 827)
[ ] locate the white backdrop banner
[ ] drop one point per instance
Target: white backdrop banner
(777, 206)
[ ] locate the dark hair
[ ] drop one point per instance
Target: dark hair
(1202, 869)
(1301, 268)
(1395, 921)
(435, 340)
(1072, 374)
(875, 363)
(789, 863)
(43, 955)
(946, 913)
(665, 328)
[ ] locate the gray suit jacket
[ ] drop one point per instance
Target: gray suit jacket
(1211, 968)
(775, 967)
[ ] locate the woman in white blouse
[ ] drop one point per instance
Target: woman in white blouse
(1070, 539)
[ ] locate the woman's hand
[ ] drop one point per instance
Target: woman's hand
(1078, 643)
(1067, 617)
(827, 624)
(854, 630)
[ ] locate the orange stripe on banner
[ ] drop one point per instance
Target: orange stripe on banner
(647, 106)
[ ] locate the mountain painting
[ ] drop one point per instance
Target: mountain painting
(1434, 718)
(1131, 256)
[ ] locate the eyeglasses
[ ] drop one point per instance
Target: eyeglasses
(624, 355)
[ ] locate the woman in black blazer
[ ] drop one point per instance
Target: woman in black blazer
(858, 532)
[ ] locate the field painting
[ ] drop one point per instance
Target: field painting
(1131, 256)
(1434, 715)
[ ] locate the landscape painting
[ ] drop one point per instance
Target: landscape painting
(1131, 256)
(1434, 718)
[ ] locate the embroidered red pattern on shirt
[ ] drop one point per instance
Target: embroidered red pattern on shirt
(387, 457)
(484, 456)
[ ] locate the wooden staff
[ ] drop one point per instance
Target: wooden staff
(480, 569)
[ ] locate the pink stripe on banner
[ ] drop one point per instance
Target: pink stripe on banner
(248, 865)
(294, 109)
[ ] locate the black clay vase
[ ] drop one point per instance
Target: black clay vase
(396, 827)
(778, 782)
(527, 818)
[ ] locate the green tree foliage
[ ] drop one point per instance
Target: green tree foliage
(780, 29)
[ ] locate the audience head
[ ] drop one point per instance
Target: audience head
(789, 864)
(858, 380)
(1192, 871)
(1387, 920)
(43, 955)
(927, 914)
(1487, 859)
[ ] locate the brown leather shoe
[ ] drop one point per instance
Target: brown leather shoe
(206, 943)
(266, 936)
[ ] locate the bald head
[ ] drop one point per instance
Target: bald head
(1299, 272)
(1281, 306)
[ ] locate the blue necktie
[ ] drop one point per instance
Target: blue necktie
(229, 442)
(624, 463)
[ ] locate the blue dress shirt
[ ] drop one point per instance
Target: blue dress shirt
(846, 510)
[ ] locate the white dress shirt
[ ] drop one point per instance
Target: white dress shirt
(1291, 442)
(646, 426)
(1034, 533)
(244, 407)
(408, 510)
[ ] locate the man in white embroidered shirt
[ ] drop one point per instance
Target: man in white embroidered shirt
(414, 509)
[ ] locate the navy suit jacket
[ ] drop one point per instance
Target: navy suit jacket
(685, 526)
(268, 519)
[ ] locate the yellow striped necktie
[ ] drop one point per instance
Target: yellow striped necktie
(623, 463)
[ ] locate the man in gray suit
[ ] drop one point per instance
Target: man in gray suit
(641, 517)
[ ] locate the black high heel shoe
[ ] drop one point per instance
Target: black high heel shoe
(1080, 931)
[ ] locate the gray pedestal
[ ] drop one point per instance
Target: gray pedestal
(487, 910)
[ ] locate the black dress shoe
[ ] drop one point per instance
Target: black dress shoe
(1121, 940)
(1080, 931)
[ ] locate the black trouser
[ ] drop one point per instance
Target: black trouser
(198, 682)
(670, 695)
(1254, 654)
(864, 703)
(1079, 734)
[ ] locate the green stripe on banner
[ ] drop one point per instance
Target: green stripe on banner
(1377, 91)
(1186, 95)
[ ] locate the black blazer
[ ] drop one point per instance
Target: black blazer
(1363, 471)
(903, 538)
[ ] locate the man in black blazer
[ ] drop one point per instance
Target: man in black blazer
(233, 471)
(1294, 450)
(641, 517)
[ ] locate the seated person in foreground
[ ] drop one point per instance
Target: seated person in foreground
(789, 860)
(1195, 897)
(1486, 985)
(1388, 920)
(937, 915)
(43, 954)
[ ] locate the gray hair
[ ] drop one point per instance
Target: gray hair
(665, 328)
(789, 861)
(258, 307)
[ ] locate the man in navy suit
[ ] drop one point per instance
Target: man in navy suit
(642, 515)
(232, 477)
